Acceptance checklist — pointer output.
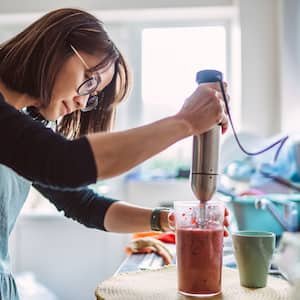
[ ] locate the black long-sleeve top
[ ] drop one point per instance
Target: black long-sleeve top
(82, 205)
(41, 155)
(60, 169)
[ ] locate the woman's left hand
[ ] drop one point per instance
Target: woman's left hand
(168, 221)
(226, 222)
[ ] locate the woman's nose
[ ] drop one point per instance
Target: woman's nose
(80, 101)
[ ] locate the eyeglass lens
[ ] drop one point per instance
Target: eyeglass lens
(88, 87)
(91, 103)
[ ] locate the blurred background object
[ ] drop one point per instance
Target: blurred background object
(288, 260)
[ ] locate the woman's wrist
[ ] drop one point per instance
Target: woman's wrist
(159, 219)
(183, 124)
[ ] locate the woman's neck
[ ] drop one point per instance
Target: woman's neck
(15, 99)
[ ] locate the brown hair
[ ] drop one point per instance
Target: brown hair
(30, 62)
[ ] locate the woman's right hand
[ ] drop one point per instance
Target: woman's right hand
(117, 152)
(204, 109)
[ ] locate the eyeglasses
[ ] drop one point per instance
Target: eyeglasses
(89, 87)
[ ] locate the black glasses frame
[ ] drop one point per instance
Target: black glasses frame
(93, 102)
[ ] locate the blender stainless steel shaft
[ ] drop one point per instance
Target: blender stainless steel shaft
(206, 151)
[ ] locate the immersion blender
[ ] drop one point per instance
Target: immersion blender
(206, 149)
(206, 153)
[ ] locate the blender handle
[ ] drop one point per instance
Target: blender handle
(205, 161)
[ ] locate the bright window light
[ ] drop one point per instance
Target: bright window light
(171, 58)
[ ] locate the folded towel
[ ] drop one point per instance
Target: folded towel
(148, 245)
(168, 237)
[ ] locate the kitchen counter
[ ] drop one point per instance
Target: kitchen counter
(137, 262)
(161, 284)
(141, 276)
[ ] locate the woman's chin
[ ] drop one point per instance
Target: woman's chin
(51, 117)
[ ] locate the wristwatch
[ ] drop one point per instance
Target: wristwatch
(155, 218)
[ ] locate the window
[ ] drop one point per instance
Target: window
(165, 50)
(171, 57)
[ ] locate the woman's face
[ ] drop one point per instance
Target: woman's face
(73, 73)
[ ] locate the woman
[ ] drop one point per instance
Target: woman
(64, 68)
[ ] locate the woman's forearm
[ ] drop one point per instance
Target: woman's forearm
(123, 217)
(117, 152)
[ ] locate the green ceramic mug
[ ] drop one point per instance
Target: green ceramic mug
(253, 251)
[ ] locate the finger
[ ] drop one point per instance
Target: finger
(224, 116)
(223, 121)
(213, 85)
(227, 98)
(171, 218)
(226, 234)
(226, 222)
(225, 127)
(225, 86)
(221, 99)
(226, 212)
(219, 95)
(221, 103)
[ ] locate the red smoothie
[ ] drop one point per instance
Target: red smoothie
(199, 260)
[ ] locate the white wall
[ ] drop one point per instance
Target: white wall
(270, 61)
(290, 64)
(260, 99)
(158, 192)
(36, 5)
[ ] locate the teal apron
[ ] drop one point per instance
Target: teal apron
(13, 193)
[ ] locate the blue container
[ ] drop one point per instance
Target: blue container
(250, 218)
